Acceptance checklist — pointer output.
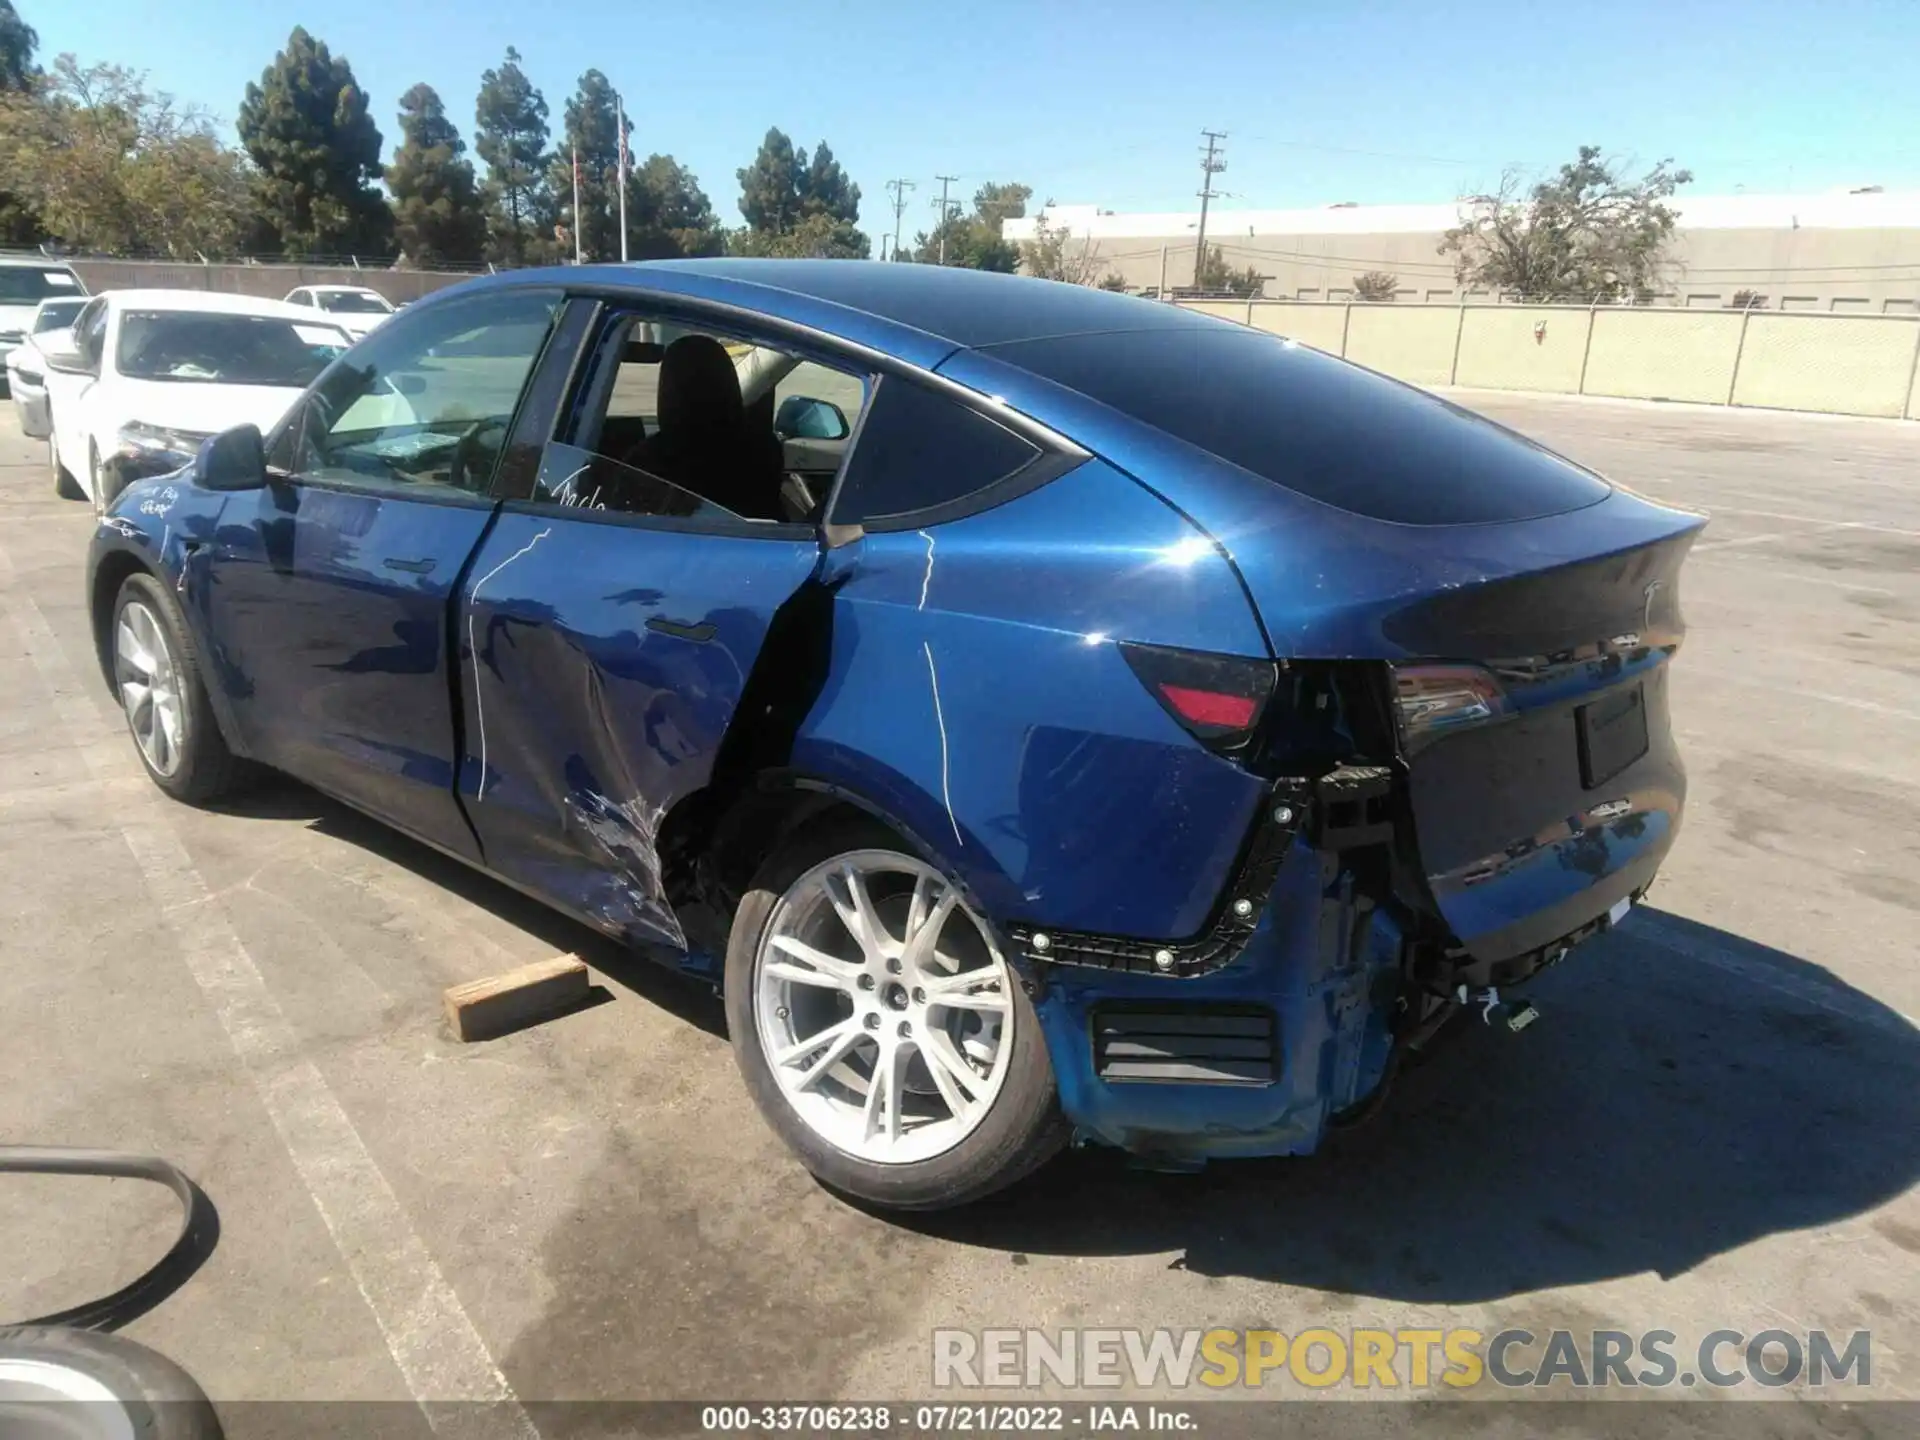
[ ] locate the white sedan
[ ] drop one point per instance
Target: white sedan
(27, 367)
(354, 308)
(144, 376)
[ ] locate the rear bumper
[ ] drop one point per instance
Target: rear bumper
(1255, 1055)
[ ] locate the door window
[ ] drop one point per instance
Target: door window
(680, 424)
(427, 401)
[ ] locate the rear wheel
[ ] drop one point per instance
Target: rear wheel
(880, 1030)
(156, 674)
(64, 485)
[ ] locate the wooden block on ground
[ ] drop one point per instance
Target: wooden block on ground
(483, 1009)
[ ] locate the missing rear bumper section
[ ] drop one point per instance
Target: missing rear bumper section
(1343, 810)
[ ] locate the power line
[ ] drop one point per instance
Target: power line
(899, 189)
(941, 229)
(1209, 167)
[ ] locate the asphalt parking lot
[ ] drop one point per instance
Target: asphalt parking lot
(1715, 1124)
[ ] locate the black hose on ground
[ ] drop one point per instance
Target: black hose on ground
(199, 1229)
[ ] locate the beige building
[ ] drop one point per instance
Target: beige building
(1852, 252)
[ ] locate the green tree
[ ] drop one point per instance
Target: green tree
(510, 136)
(770, 186)
(975, 241)
(994, 204)
(307, 129)
(437, 214)
(798, 205)
(1585, 234)
(1218, 278)
(106, 164)
(1376, 285)
(668, 214)
(18, 41)
(18, 223)
(1054, 254)
(590, 137)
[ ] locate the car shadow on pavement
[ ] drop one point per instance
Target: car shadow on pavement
(1685, 1092)
(681, 996)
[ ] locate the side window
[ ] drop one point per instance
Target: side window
(918, 450)
(675, 422)
(300, 297)
(427, 400)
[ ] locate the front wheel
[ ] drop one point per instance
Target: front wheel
(879, 1028)
(156, 675)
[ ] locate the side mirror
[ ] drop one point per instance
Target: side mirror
(802, 418)
(62, 353)
(234, 459)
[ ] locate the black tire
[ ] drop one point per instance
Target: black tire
(64, 485)
(207, 768)
(1023, 1128)
(157, 1398)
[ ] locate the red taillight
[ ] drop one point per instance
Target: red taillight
(1433, 699)
(1210, 707)
(1217, 698)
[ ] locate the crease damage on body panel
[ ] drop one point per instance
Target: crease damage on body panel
(473, 649)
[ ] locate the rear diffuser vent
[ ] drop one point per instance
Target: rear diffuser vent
(1185, 1045)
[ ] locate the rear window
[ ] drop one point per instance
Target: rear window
(353, 302)
(57, 314)
(30, 284)
(1317, 426)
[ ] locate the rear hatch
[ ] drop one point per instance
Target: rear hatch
(1523, 612)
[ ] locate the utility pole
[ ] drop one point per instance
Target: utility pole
(1211, 165)
(899, 189)
(945, 180)
(620, 124)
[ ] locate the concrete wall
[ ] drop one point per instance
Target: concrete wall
(1841, 364)
(268, 282)
(1856, 272)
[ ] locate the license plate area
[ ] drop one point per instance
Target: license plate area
(1612, 735)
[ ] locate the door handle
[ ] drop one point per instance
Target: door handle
(412, 567)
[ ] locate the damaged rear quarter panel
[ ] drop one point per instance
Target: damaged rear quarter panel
(977, 695)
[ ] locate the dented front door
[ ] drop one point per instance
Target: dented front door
(603, 658)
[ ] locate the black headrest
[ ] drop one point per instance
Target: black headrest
(699, 388)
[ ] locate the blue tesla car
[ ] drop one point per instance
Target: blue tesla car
(1043, 712)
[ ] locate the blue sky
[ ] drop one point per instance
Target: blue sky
(1367, 101)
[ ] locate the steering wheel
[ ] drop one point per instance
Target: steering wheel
(466, 448)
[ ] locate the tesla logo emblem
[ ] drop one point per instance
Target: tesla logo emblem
(1646, 620)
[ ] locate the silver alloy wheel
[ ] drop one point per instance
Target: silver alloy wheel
(883, 1008)
(149, 685)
